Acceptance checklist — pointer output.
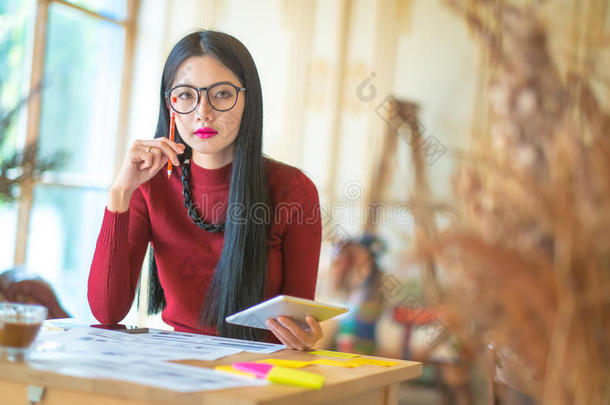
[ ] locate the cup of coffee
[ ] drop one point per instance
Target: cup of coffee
(19, 326)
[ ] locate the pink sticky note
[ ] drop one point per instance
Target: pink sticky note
(260, 370)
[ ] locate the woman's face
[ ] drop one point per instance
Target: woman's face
(204, 71)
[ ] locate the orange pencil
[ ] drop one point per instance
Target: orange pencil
(172, 124)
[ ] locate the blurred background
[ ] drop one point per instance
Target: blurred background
(376, 101)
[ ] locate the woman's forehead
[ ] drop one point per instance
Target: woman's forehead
(201, 71)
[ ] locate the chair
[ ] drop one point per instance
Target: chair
(20, 285)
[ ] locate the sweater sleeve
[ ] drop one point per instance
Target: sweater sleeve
(302, 241)
(117, 261)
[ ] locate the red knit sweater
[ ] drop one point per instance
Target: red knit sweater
(187, 255)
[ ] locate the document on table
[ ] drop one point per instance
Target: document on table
(142, 358)
(121, 344)
(170, 376)
(98, 353)
(194, 341)
(188, 341)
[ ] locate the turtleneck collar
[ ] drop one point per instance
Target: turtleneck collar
(211, 177)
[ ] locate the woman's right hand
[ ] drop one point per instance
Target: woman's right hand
(144, 159)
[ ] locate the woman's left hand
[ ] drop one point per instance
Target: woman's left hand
(292, 335)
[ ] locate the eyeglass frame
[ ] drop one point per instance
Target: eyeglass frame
(207, 95)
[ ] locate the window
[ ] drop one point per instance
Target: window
(80, 50)
(16, 21)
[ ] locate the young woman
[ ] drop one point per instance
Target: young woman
(229, 228)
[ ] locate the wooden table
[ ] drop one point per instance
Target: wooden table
(366, 384)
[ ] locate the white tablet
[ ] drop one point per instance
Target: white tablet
(284, 305)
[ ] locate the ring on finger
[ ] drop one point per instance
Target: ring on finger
(147, 149)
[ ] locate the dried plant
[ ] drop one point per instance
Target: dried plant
(529, 254)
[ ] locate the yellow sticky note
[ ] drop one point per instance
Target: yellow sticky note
(230, 369)
(336, 363)
(285, 363)
(300, 378)
(375, 362)
(334, 354)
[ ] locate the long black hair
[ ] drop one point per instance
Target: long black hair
(240, 275)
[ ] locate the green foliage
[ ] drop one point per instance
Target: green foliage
(17, 165)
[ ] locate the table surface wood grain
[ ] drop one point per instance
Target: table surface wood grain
(368, 384)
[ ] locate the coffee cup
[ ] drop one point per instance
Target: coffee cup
(19, 326)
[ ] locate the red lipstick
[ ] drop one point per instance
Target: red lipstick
(205, 132)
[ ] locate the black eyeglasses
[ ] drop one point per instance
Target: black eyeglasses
(222, 96)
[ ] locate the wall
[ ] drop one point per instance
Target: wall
(326, 69)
